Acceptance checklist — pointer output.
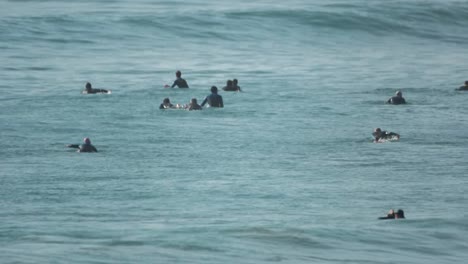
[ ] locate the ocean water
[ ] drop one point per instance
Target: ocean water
(286, 172)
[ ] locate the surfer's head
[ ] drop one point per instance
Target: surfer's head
(178, 74)
(214, 89)
(166, 101)
(229, 83)
(87, 141)
(194, 101)
(400, 214)
(234, 82)
(88, 86)
(377, 132)
(399, 93)
(466, 83)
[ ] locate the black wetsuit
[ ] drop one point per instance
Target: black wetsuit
(397, 215)
(194, 107)
(181, 83)
(385, 135)
(396, 100)
(213, 100)
(94, 91)
(230, 88)
(389, 216)
(463, 88)
(163, 106)
(84, 147)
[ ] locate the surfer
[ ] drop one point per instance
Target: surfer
(90, 90)
(464, 87)
(234, 84)
(86, 147)
(394, 215)
(214, 99)
(397, 99)
(231, 86)
(384, 135)
(180, 82)
(228, 86)
(193, 105)
(166, 104)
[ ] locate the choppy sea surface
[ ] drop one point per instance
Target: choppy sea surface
(286, 172)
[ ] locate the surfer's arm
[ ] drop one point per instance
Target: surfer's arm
(73, 146)
(204, 101)
(221, 102)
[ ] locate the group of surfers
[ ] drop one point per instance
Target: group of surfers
(213, 100)
(216, 100)
(231, 85)
(382, 136)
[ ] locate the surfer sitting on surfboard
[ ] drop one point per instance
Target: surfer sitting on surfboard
(90, 90)
(193, 105)
(234, 84)
(397, 99)
(231, 85)
(464, 87)
(86, 147)
(166, 104)
(180, 82)
(214, 99)
(380, 135)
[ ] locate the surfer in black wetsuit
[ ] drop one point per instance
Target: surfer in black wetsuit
(90, 90)
(194, 105)
(231, 86)
(464, 87)
(214, 99)
(166, 104)
(384, 135)
(397, 99)
(86, 147)
(394, 215)
(234, 84)
(180, 82)
(228, 86)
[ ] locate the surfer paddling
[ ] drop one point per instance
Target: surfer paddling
(85, 147)
(90, 90)
(381, 136)
(394, 215)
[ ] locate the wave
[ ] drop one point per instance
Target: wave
(436, 20)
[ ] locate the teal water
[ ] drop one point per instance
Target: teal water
(286, 172)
